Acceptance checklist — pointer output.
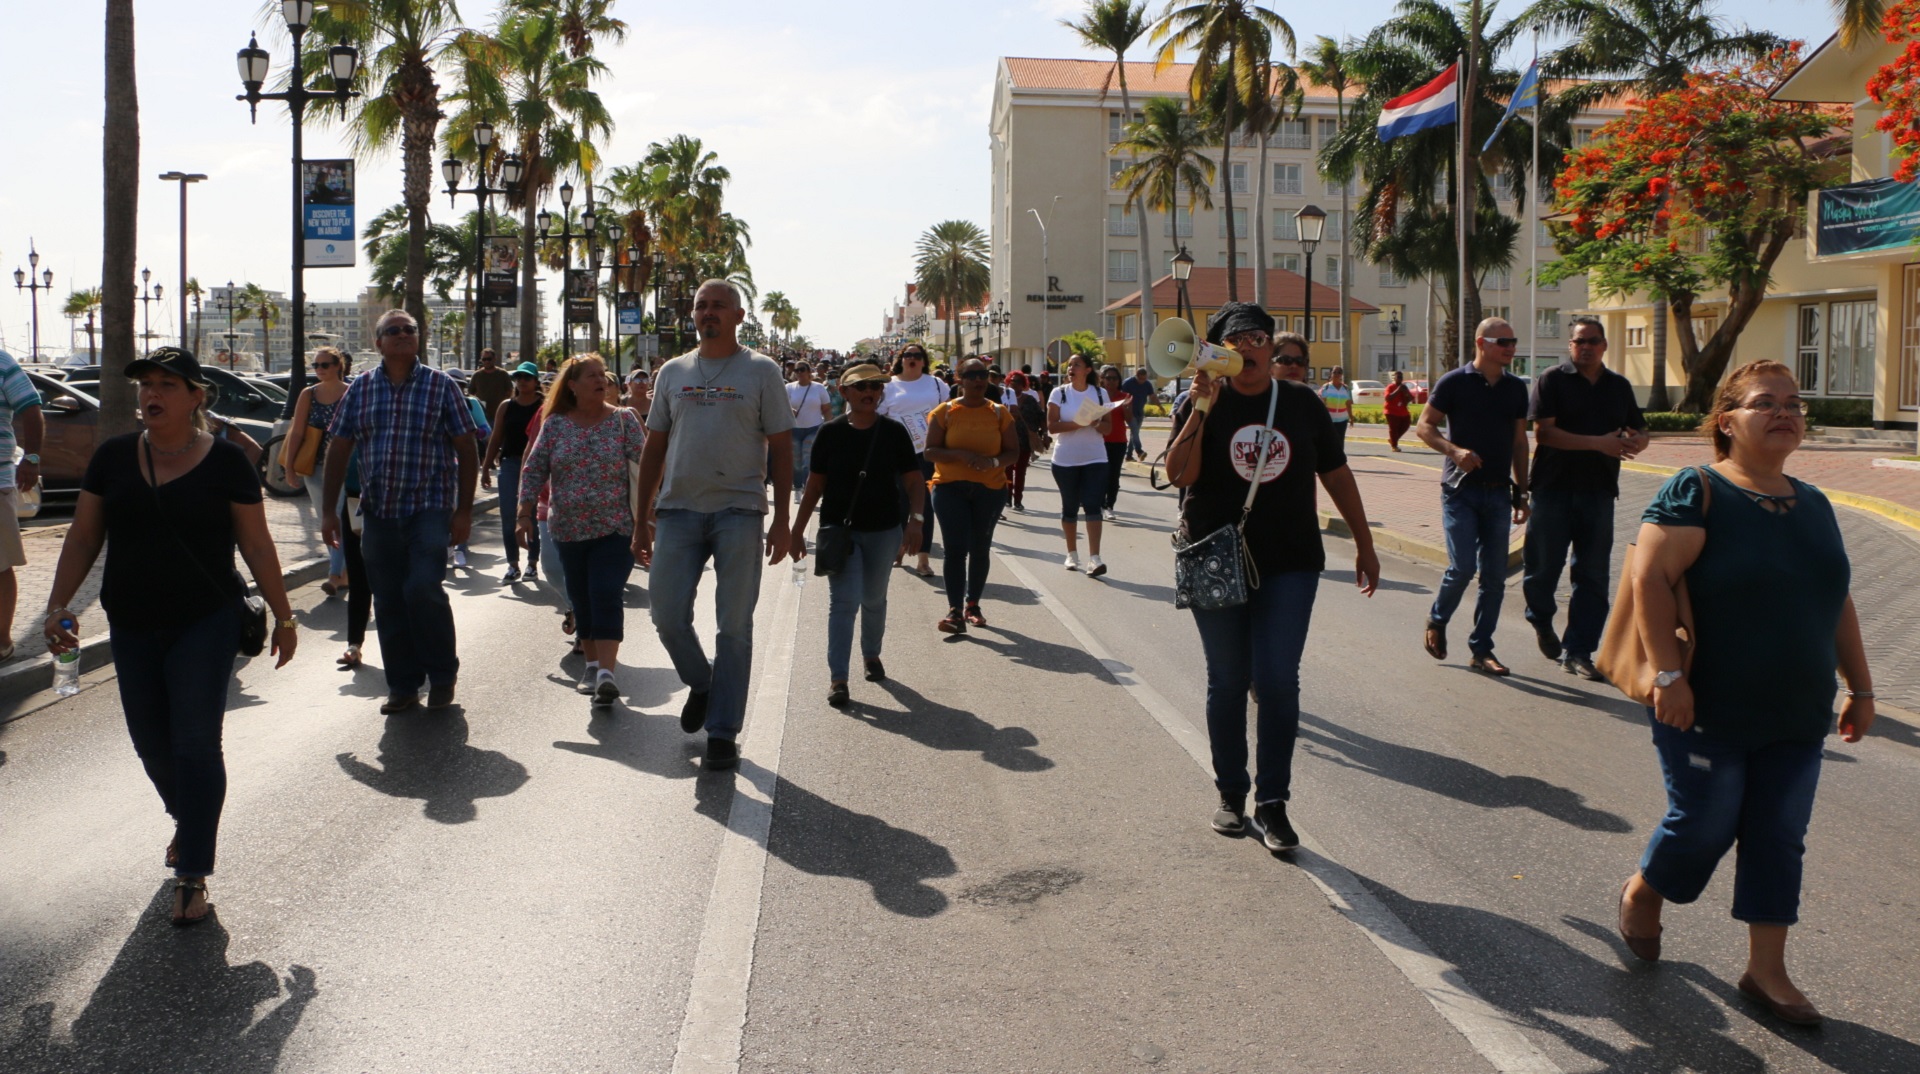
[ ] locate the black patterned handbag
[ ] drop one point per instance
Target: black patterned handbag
(1216, 571)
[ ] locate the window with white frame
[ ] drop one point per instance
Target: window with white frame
(1542, 235)
(1108, 325)
(1330, 329)
(1850, 344)
(1329, 130)
(1496, 280)
(1505, 313)
(1237, 177)
(1333, 187)
(1808, 348)
(1390, 278)
(1117, 125)
(1122, 221)
(1286, 178)
(1114, 168)
(1336, 226)
(1239, 258)
(1290, 262)
(1637, 336)
(1181, 218)
(1332, 271)
(1292, 134)
(1546, 323)
(1239, 224)
(1285, 227)
(1123, 266)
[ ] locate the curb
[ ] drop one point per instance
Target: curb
(1873, 505)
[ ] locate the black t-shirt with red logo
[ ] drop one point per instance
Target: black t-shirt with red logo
(1283, 532)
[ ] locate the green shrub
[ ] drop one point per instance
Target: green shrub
(1668, 421)
(1377, 415)
(1156, 410)
(1840, 413)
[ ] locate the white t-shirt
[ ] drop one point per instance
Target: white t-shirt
(805, 400)
(1083, 446)
(910, 401)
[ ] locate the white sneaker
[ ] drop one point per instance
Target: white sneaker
(1073, 561)
(605, 690)
(459, 557)
(1095, 568)
(1112, 515)
(588, 680)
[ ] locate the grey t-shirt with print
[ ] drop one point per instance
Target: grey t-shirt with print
(719, 413)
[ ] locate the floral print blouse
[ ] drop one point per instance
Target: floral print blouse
(588, 471)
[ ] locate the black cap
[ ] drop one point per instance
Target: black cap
(1235, 318)
(175, 360)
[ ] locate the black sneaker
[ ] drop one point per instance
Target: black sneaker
(1270, 820)
(693, 714)
(512, 575)
(722, 754)
(1582, 666)
(1231, 817)
(1549, 641)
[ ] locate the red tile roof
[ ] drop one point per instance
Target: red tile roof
(1036, 73)
(1207, 290)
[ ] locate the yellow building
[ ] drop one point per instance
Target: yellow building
(1207, 292)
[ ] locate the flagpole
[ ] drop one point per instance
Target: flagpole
(1533, 221)
(1460, 210)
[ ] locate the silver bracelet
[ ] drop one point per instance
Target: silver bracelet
(1868, 694)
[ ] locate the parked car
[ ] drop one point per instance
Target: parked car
(1369, 393)
(73, 428)
(1419, 388)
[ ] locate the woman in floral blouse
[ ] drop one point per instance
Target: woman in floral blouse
(586, 441)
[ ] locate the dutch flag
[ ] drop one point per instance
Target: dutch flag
(1435, 104)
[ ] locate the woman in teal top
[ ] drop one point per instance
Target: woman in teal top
(1739, 730)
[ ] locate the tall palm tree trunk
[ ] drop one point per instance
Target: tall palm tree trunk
(1259, 226)
(1226, 168)
(1349, 348)
(1148, 322)
(416, 152)
(1657, 397)
(120, 210)
(529, 301)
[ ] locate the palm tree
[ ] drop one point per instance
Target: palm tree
(400, 42)
(1168, 161)
(1640, 48)
(196, 292)
(952, 270)
(1114, 26)
(83, 304)
(1858, 18)
(120, 218)
(775, 305)
(449, 253)
(1236, 37)
(1282, 102)
(254, 301)
(1327, 65)
(582, 22)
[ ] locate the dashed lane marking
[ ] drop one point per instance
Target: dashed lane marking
(1487, 1031)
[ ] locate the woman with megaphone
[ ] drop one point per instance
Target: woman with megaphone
(1245, 450)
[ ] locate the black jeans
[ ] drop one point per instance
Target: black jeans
(597, 570)
(359, 591)
(925, 525)
(173, 688)
(1116, 462)
(1583, 522)
(968, 512)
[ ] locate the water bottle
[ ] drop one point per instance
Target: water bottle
(799, 573)
(66, 667)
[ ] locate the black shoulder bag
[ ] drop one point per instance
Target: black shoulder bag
(253, 617)
(833, 545)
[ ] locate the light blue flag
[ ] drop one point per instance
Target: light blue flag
(1526, 95)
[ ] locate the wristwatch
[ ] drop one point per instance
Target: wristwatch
(288, 623)
(30, 459)
(918, 518)
(1664, 679)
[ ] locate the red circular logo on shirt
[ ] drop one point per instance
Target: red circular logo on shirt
(1244, 449)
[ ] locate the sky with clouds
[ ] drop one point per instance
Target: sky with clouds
(850, 126)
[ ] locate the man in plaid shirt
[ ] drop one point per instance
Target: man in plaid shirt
(418, 465)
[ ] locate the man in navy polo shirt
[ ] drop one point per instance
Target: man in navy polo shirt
(1586, 420)
(1477, 418)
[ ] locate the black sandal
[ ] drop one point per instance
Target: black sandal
(566, 624)
(185, 888)
(173, 853)
(953, 623)
(974, 616)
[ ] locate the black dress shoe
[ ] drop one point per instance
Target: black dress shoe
(693, 714)
(439, 697)
(1549, 641)
(876, 671)
(400, 702)
(838, 696)
(722, 754)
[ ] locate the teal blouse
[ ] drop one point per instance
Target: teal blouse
(1767, 593)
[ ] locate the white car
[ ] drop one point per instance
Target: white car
(1369, 393)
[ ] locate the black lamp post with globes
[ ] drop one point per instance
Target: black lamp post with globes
(451, 169)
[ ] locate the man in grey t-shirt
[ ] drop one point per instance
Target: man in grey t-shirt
(719, 429)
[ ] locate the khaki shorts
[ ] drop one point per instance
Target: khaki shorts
(12, 552)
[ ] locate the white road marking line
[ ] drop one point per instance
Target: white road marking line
(1495, 1036)
(716, 1018)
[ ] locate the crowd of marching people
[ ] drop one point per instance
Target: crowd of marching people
(725, 458)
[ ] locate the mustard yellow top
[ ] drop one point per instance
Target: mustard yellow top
(971, 428)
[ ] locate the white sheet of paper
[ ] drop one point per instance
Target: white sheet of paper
(1089, 412)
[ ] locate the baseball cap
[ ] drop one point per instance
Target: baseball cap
(177, 361)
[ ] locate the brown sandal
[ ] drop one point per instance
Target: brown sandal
(953, 623)
(184, 889)
(1436, 641)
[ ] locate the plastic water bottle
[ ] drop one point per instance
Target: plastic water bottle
(799, 573)
(66, 667)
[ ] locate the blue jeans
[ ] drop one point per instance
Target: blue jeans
(1721, 794)
(1082, 488)
(683, 542)
(509, 481)
(1257, 644)
(1136, 416)
(336, 557)
(1478, 520)
(596, 572)
(550, 564)
(802, 455)
(968, 511)
(406, 564)
(1584, 522)
(860, 586)
(173, 689)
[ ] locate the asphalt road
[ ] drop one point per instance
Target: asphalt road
(996, 861)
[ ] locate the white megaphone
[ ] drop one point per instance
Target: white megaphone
(1176, 352)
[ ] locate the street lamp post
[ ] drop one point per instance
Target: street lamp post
(1312, 223)
(1393, 339)
(25, 280)
(185, 179)
(589, 221)
(566, 235)
(231, 305)
(1183, 309)
(451, 169)
(1046, 271)
(999, 319)
(147, 297)
(342, 61)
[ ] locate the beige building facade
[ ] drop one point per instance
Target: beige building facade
(1065, 249)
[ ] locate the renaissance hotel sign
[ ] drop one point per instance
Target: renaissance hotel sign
(1879, 216)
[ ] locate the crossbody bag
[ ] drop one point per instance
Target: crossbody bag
(1217, 570)
(253, 618)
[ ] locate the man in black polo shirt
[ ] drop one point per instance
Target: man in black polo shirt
(1585, 421)
(1477, 418)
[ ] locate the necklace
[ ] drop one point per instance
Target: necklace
(719, 369)
(157, 450)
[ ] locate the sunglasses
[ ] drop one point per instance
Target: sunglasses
(1290, 359)
(399, 330)
(1500, 341)
(974, 374)
(1248, 339)
(913, 357)
(326, 365)
(862, 386)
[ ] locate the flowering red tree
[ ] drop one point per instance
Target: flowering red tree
(1694, 190)
(1897, 87)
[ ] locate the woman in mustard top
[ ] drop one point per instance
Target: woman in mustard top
(970, 441)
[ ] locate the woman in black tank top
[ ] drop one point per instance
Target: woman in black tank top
(506, 446)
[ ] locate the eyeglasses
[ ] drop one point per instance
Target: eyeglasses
(974, 374)
(1248, 339)
(1290, 359)
(1591, 341)
(1792, 408)
(399, 330)
(1500, 341)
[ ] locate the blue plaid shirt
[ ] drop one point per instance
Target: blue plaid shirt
(403, 434)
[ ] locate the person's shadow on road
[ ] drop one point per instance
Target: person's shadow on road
(824, 838)
(943, 727)
(651, 744)
(169, 1001)
(425, 755)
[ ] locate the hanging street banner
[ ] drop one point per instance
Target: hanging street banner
(326, 212)
(500, 282)
(1878, 216)
(627, 304)
(581, 288)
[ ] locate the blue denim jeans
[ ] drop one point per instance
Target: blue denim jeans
(509, 482)
(1582, 521)
(1082, 488)
(860, 586)
(597, 572)
(406, 566)
(683, 542)
(551, 566)
(1257, 644)
(968, 511)
(336, 557)
(802, 455)
(1720, 795)
(173, 690)
(1478, 520)
(1135, 417)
